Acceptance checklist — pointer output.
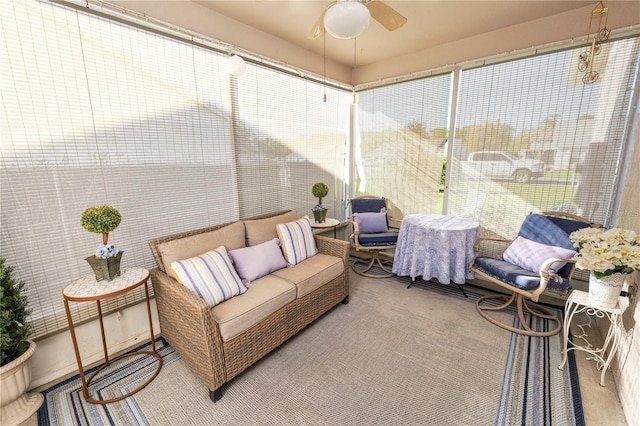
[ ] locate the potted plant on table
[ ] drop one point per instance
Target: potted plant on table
(319, 190)
(610, 256)
(16, 405)
(106, 260)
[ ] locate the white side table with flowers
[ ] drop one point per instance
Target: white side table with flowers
(610, 256)
(579, 302)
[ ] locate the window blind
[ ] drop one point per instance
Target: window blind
(96, 111)
(516, 117)
(402, 133)
(289, 138)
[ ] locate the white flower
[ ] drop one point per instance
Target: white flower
(607, 252)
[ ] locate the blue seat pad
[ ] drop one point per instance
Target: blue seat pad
(515, 275)
(378, 239)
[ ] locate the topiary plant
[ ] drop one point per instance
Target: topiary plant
(320, 190)
(15, 330)
(101, 220)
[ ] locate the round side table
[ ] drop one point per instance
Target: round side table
(87, 289)
(329, 223)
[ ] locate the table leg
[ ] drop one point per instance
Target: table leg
(85, 390)
(413, 280)
(153, 340)
(612, 337)
(104, 340)
(569, 311)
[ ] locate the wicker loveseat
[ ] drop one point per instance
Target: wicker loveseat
(220, 342)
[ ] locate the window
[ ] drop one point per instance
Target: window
(96, 111)
(402, 133)
(530, 136)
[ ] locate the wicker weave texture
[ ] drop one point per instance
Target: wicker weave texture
(187, 323)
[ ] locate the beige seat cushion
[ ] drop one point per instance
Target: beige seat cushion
(261, 230)
(312, 273)
(265, 296)
(230, 236)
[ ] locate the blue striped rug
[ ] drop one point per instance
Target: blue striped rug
(534, 390)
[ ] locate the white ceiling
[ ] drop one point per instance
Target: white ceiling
(430, 23)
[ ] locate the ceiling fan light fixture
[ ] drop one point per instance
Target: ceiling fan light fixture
(347, 19)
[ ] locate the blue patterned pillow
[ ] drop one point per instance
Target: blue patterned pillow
(297, 240)
(210, 275)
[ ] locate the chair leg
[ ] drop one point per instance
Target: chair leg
(374, 261)
(523, 307)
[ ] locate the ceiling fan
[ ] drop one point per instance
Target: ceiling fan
(347, 19)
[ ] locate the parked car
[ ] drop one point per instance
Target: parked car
(503, 165)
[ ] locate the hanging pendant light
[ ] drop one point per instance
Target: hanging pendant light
(347, 19)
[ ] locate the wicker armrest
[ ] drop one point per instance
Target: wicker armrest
(333, 247)
(187, 323)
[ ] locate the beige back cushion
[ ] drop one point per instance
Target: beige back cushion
(261, 230)
(230, 236)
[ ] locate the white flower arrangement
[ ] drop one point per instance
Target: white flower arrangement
(607, 252)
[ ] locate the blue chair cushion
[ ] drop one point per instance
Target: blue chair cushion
(515, 275)
(379, 239)
(551, 231)
(362, 205)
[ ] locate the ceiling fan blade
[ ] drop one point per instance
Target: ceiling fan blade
(386, 15)
(318, 28)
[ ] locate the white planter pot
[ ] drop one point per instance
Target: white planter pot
(604, 292)
(16, 405)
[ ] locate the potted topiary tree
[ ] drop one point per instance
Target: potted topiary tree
(319, 190)
(15, 360)
(106, 260)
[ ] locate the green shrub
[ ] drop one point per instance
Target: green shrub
(14, 327)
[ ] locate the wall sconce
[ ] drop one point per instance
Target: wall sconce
(587, 58)
(236, 65)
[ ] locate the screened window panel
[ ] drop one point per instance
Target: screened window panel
(287, 139)
(98, 112)
(402, 133)
(539, 111)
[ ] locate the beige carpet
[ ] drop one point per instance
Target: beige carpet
(391, 356)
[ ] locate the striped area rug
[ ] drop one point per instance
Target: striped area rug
(393, 356)
(534, 391)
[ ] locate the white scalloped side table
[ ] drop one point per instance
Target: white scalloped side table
(578, 302)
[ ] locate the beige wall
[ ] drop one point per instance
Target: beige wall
(627, 369)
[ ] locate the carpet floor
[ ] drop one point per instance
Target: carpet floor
(392, 356)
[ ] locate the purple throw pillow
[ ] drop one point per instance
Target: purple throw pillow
(371, 223)
(257, 261)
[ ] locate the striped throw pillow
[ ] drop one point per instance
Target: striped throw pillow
(297, 240)
(210, 275)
